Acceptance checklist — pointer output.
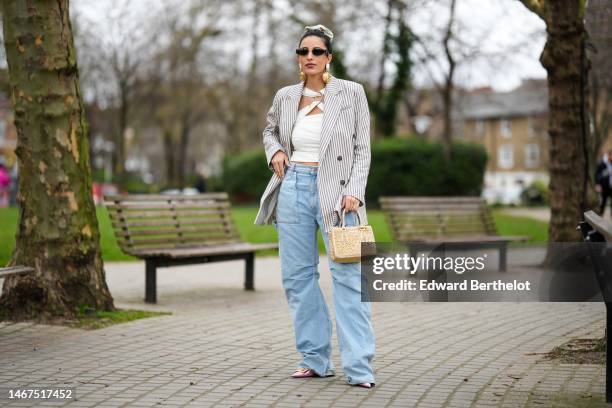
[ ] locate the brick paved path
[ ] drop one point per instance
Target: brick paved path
(226, 347)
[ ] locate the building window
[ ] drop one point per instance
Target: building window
(505, 128)
(532, 155)
(531, 130)
(480, 127)
(505, 156)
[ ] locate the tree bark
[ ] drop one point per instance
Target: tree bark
(185, 125)
(598, 14)
(563, 59)
(58, 230)
(122, 126)
(169, 156)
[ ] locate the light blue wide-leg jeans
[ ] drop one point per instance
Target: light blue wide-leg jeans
(298, 216)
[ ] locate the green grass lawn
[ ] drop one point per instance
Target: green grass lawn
(244, 216)
(513, 225)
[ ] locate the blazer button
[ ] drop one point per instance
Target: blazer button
(339, 157)
(341, 182)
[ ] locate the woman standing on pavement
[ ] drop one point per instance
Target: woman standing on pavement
(317, 143)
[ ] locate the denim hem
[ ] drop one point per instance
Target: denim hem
(329, 373)
(353, 381)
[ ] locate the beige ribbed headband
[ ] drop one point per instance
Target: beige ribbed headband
(322, 28)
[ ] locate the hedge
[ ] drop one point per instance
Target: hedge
(411, 167)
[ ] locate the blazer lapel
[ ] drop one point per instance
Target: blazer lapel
(289, 113)
(332, 102)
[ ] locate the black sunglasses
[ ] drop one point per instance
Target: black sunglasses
(316, 51)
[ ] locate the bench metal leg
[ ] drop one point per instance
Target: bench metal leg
(150, 281)
(503, 256)
(249, 271)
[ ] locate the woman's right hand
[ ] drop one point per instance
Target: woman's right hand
(279, 160)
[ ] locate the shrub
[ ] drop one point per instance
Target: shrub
(411, 167)
(535, 193)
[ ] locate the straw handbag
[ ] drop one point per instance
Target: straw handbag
(345, 242)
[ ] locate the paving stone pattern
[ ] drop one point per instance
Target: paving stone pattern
(225, 347)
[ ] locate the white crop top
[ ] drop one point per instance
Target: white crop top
(306, 138)
(306, 134)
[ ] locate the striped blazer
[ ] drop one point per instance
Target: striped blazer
(344, 152)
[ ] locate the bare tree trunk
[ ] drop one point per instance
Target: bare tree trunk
(58, 230)
(249, 119)
(447, 91)
(272, 28)
(563, 59)
(380, 87)
(169, 156)
(183, 145)
(123, 124)
(600, 86)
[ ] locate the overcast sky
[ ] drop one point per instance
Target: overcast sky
(510, 36)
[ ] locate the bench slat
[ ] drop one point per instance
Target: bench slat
(181, 239)
(166, 223)
(430, 198)
(468, 238)
(169, 231)
(241, 247)
(433, 210)
(223, 196)
(143, 206)
(162, 214)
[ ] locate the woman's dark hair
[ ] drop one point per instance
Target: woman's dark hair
(318, 33)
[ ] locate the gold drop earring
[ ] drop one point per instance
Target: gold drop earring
(302, 74)
(326, 74)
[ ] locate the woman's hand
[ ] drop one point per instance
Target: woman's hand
(350, 203)
(279, 160)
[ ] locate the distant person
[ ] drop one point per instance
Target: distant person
(5, 182)
(200, 183)
(603, 181)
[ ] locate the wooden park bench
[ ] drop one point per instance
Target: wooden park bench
(430, 220)
(168, 230)
(595, 229)
(14, 270)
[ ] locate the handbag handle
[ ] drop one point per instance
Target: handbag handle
(342, 218)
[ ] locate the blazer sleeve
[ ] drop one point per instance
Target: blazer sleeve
(271, 136)
(361, 162)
